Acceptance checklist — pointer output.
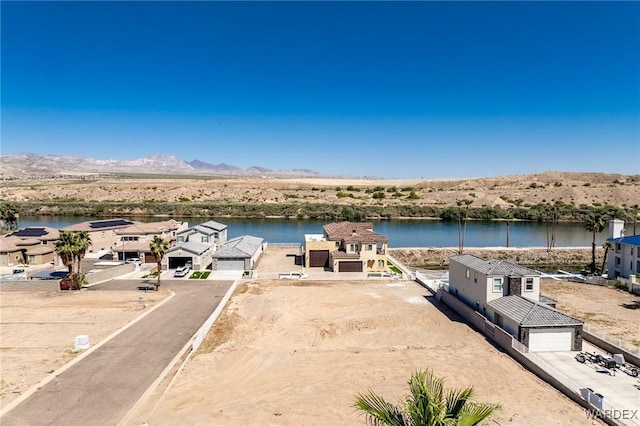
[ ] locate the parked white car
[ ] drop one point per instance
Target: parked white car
(182, 271)
(293, 276)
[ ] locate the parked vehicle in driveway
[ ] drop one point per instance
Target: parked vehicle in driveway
(293, 275)
(182, 271)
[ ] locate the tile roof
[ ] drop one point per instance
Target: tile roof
(340, 254)
(494, 266)
(90, 225)
(239, 247)
(353, 232)
(633, 240)
(531, 314)
(40, 249)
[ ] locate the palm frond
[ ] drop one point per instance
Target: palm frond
(379, 411)
(474, 413)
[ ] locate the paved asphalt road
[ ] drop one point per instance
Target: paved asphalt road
(104, 386)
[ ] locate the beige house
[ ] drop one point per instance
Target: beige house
(127, 238)
(31, 245)
(347, 247)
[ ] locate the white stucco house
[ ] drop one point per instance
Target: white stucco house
(196, 245)
(624, 260)
(508, 295)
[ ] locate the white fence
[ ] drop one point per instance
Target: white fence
(615, 341)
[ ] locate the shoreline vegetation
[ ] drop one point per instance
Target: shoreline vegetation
(558, 212)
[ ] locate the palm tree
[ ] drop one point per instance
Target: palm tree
(83, 242)
(607, 245)
(429, 403)
(595, 224)
(158, 247)
(463, 212)
(9, 216)
(65, 247)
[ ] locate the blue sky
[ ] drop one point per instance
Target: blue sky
(389, 89)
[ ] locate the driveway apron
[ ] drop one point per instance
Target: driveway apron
(101, 388)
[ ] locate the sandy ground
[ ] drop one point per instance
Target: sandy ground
(298, 353)
(502, 191)
(38, 329)
(610, 310)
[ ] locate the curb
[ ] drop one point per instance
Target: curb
(79, 358)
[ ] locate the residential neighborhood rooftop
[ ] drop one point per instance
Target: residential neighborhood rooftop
(245, 245)
(494, 266)
(353, 232)
(530, 313)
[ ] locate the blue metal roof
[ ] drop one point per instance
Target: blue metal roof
(633, 240)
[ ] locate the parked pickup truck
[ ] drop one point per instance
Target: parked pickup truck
(293, 276)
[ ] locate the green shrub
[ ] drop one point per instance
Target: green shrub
(378, 195)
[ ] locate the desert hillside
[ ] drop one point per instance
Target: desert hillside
(590, 189)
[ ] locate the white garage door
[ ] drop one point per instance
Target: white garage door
(550, 339)
(231, 265)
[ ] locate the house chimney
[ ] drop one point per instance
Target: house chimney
(353, 232)
(616, 228)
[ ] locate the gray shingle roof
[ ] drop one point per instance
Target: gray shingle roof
(191, 247)
(531, 314)
(494, 266)
(239, 247)
(216, 226)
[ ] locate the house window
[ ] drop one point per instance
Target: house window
(638, 267)
(467, 273)
(631, 251)
(45, 242)
(617, 261)
(181, 239)
(475, 277)
(528, 284)
(380, 263)
(618, 246)
(205, 239)
(497, 285)
(31, 259)
(369, 247)
(103, 235)
(215, 235)
(353, 248)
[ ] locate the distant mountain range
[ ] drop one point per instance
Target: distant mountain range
(38, 165)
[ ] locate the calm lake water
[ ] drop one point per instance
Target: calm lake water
(401, 233)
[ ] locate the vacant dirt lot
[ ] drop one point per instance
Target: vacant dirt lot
(298, 353)
(38, 330)
(613, 311)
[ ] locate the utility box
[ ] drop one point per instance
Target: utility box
(81, 342)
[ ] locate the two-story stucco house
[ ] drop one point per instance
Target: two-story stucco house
(196, 245)
(126, 238)
(347, 247)
(624, 260)
(508, 295)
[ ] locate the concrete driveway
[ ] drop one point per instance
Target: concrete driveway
(620, 391)
(101, 388)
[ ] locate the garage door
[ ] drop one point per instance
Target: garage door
(230, 264)
(176, 262)
(550, 339)
(350, 266)
(318, 258)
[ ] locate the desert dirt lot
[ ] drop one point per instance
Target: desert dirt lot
(298, 353)
(39, 327)
(613, 311)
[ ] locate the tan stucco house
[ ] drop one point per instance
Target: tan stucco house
(347, 247)
(31, 245)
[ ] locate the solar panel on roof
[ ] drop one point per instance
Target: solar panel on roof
(30, 232)
(109, 223)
